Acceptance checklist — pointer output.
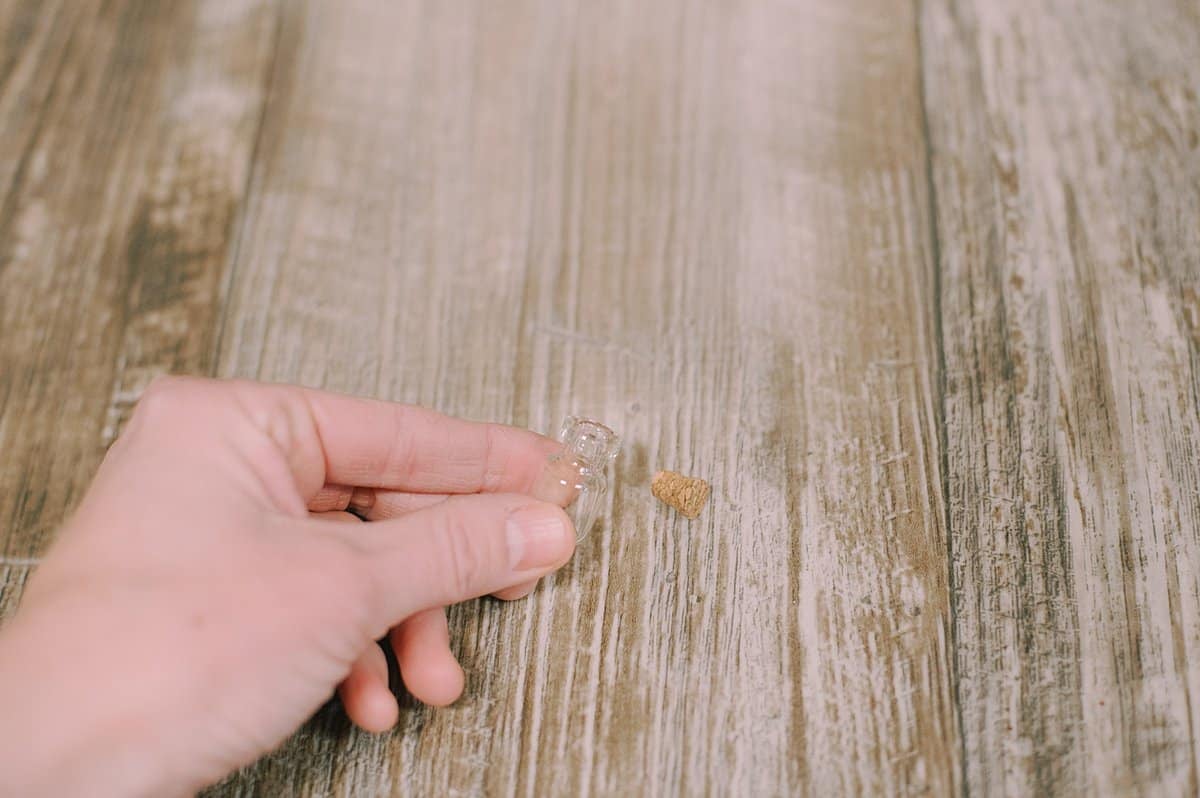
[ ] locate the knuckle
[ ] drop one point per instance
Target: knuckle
(279, 417)
(400, 461)
(167, 394)
(160, 398)
(464, 558)
(493, 472)
(164, 402)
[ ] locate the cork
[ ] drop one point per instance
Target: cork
(685, 494)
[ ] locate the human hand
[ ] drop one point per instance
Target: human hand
(211, 591)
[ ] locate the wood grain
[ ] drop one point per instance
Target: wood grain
(1066, 167)
(638, 213)
(127, 130)
(915, 286)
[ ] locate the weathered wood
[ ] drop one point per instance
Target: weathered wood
(916, 287)
(707, 225)
(127, 130)
(1067, 174)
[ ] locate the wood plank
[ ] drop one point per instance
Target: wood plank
(1065, 140)
(127, 130)
(707, 224)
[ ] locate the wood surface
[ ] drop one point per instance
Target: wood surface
(914, 285)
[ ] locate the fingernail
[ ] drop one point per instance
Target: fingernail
(537, 537)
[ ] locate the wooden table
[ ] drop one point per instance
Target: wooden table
(915, 285)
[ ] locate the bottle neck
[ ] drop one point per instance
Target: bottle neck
(591, 443)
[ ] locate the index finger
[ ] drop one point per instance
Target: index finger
(373, 444)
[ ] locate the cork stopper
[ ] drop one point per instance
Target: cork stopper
(685, 494)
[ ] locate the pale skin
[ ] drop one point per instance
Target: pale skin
(212, 591)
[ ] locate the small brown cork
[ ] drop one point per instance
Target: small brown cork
(685, 494)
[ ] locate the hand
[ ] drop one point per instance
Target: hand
(211, 591)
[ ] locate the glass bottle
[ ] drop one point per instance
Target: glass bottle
(575, 477)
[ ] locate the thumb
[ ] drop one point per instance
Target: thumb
(463, 548)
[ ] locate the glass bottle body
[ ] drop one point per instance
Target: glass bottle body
(575, 477)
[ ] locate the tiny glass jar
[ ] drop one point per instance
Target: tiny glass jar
(576, 476)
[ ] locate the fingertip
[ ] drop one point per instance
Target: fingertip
(379, 712)
(427, 665)
(440, 687)
(540, 537)
(463, 548)
(365, 694)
